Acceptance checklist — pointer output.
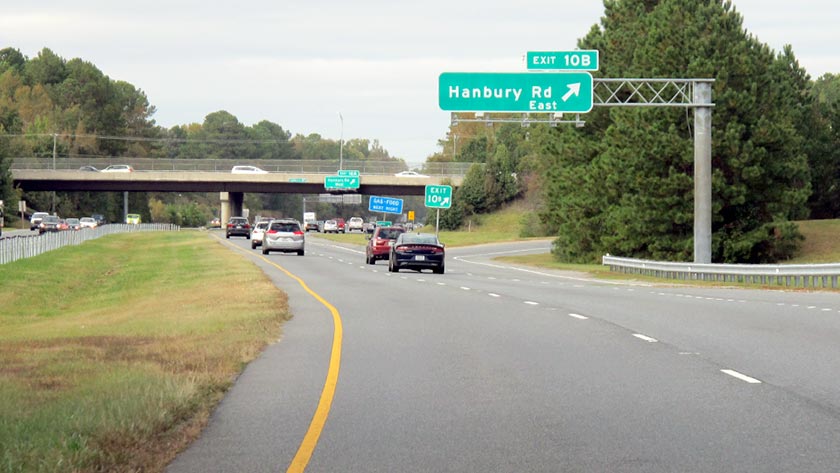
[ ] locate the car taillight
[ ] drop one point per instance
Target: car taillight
(401, 248)
(230, 225)
(271, 231)
(298, 232)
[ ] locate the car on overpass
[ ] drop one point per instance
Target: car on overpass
(118, 168)
(247, 170)
(409, 174)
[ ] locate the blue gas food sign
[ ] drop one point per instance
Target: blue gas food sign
(388, 205)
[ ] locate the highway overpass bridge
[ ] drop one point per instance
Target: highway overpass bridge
(231, 187)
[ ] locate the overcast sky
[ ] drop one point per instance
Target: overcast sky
(300, 64)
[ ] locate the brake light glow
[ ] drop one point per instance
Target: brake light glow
(298, 232)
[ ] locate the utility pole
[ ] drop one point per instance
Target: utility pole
(55, 151)
(341, 144)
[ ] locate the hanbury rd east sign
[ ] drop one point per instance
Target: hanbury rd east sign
(515, 92)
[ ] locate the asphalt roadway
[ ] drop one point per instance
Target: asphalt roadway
(496, 368)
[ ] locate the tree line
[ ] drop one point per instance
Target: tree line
(92, 115)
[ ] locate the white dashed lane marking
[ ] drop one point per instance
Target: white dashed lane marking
(741, 376)
(645, 338)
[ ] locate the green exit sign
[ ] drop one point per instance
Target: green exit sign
(513, 92)
(438, 197)
(583, 60)
(341, 182)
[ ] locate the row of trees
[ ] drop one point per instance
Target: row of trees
(92, 115)
(623, 184)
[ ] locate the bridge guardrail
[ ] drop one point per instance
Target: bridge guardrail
(790, 275)
(224, 165)
(13, 248)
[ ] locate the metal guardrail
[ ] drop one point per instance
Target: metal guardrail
(13, 248)
(791, 275)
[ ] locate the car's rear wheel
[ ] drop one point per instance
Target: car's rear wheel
(265, 251)
(300, 252)
(392, 267)
(253, 245)
(438, 270)
(227, 235)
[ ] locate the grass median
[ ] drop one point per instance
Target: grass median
(113, 353)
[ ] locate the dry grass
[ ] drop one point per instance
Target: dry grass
(117, 367)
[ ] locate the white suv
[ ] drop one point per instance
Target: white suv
(355, 223)
(257, 233)
(35, 220)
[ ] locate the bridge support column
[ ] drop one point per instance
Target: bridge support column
(231, 203)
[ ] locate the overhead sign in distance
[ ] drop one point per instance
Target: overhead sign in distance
(569, 92)
(438, 197)
(348, 173)
(583, 60)
(389, 205)
(297, 179)
(341, 182)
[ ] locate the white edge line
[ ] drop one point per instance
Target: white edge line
(742, 377)
(498, 266)
(578, 316)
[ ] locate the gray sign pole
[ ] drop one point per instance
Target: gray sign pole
(703, 172)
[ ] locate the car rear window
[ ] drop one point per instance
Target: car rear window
(285, 227)
(422, 239)
(390, 233)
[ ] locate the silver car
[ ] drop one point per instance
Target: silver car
(283, 235)
(257, 233)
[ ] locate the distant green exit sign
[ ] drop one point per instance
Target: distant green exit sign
(515, 92)
(581, 60)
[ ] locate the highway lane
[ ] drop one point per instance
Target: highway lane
(494, 368)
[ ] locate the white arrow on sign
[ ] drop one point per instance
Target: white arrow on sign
(574, 89)
(444, 202)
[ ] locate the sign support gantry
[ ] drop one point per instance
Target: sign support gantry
(688, 93)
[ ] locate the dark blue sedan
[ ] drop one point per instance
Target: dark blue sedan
(417, 251)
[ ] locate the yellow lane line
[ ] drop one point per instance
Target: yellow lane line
(316, 426)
